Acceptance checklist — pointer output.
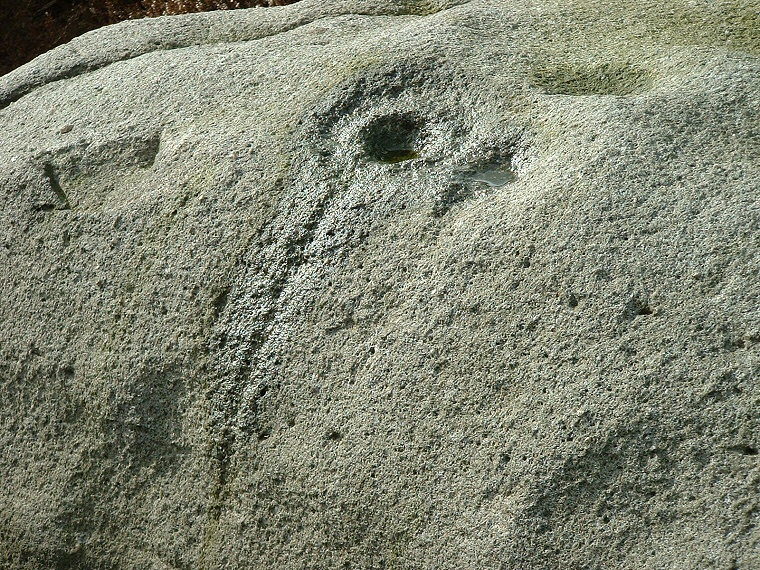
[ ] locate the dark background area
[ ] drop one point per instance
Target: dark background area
(31, 27)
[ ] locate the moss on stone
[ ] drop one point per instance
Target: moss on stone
(601, 79)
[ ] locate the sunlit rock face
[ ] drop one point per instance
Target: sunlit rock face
(363, 284)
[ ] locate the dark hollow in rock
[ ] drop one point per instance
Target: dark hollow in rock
(333, 435)
(744, 450)
(391, 139)
(637, 307)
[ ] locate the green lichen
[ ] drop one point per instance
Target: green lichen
(734, 26)
(625, 29)
(601, 79)
(419, 8)
(598, 48)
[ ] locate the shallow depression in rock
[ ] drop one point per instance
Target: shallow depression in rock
(493, 175)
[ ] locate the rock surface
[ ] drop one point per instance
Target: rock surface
(375, 284)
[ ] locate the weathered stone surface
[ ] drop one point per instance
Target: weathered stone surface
(385, 285)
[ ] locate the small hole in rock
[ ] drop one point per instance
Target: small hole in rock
(572, 301)
(745, 449)
(334, 435)
(392, 139)
(637, 307)
(220, 301)
(264, 434)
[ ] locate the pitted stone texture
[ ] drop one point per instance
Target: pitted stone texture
(262, 308)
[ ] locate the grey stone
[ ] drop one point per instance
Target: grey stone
(385, 285)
